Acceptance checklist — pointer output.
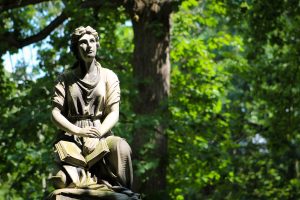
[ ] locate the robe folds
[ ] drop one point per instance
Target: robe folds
(86, 102)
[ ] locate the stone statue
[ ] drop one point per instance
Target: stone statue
(86, 107)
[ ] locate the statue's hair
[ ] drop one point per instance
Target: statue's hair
(78, 33)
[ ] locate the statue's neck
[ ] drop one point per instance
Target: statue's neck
(87, 67)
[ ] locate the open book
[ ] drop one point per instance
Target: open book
(70, 153)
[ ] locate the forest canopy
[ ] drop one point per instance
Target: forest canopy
(223, 120)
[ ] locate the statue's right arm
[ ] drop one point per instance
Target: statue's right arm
(61, 122)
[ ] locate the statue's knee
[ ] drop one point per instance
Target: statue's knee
(124, 146)
(118, 144)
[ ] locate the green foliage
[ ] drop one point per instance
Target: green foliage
(270, 100)
(26, 131)
(200, 136)
(25, 141)
(234, 105)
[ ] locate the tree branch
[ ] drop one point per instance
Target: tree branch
(6, 5)
(107, 4)
(12, 40)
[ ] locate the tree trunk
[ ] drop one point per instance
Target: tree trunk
(151, 66)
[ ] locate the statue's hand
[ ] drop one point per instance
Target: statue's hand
(92, 132)
(89, 145)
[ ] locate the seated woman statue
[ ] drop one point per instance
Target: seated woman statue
(86, 107)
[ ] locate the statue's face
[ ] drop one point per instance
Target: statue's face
(87, 47)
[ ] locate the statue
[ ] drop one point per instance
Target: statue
(86, 107)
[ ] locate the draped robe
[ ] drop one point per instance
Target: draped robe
(86, 102)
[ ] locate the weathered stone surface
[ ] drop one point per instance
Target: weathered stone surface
(85, 194)
(86, 107)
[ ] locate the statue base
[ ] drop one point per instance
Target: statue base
(88, 194)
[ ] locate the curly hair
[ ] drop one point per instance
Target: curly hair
(77, 34)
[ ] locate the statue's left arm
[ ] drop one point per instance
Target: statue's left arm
(112, 103)
(110, 120)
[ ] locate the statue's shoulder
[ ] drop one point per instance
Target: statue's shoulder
(65, 77)
(108, 74)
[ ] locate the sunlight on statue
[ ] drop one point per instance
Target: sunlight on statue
(86, 107)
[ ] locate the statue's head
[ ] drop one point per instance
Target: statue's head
(78, 34)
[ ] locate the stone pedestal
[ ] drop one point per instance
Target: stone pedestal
(65, 197)
(87, 194)
(74, 197)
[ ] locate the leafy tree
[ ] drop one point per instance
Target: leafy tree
(151, 64)
(222, 124)
(204, 53)
(267, 159)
